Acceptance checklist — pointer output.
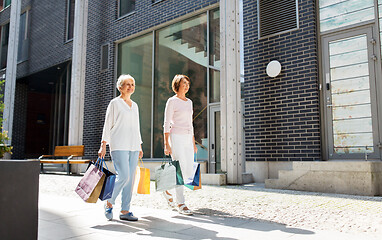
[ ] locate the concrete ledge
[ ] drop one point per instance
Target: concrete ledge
(346, 177)
(214, 179)
(152, 164)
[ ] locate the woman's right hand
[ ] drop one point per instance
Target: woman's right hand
(167, 149)
(102, 151)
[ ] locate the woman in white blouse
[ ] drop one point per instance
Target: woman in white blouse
(122, 132)
(179, 138)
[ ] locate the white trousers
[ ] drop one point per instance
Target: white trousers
(182, 148)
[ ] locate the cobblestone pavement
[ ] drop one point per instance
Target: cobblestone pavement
(334, 212)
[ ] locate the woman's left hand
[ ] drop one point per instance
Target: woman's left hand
(141, 154)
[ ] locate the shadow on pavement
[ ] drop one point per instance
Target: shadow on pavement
(222, 218)
(158, 227)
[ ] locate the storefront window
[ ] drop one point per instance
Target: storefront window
(181, 48)
(135, 58)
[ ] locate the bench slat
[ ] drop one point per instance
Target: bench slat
(64, 161)
(66, 151)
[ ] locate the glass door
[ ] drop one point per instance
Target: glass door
(350, 95)
(215, 142)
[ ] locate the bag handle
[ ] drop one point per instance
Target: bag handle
(104, 163)
(141, 162)
(164, 159)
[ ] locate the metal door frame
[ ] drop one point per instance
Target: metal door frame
(212, 135)
(370, 31)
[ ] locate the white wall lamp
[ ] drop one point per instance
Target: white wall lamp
(273, 68)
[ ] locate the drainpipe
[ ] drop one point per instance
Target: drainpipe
(11, 70)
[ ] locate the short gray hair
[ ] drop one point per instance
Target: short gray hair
(122, 79)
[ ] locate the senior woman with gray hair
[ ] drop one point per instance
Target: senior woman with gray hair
(122, 132)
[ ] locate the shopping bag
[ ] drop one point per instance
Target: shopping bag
(194, 182)
(142, 179)
(179, 175)
(90, 185)
(165, 177)
(108, 185)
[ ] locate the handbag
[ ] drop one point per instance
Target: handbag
(90, 185)
(165, 176)
(108, 185)
(195, 181)
(142, 179)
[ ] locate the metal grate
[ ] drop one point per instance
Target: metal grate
(277, 16)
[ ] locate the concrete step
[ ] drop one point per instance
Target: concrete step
(247, 178)
(272, 183)
(347, 177)
(214, 179)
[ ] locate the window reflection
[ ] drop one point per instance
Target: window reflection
(134, 58)
(181, 49)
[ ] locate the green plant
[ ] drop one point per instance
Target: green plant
(4, 148)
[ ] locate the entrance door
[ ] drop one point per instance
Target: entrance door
(350, 95)
(215, 142)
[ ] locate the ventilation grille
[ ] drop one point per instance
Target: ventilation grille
(104, 57)
(276, 16)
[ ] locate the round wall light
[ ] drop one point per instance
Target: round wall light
(273, 68)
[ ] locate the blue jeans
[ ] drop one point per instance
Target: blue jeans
(125, 164)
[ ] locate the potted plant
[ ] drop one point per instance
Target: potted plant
(4, 148)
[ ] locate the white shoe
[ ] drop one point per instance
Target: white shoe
(182, 210)
(169, 197)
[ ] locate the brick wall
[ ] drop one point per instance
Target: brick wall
(282, 120)
(47, 39)
(105, 27)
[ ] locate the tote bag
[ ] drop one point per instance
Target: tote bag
(108, 185)
(90, 185)
(165, 177)
(195, 181)
(179, 175)
(142, 179)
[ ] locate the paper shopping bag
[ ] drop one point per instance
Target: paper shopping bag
(195, 181)
(90, 186)
(165, 177)
(179, 175)
(108, 185)
(142, 179)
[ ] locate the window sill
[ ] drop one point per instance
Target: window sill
(5, 8)
(126, 15)
(68, 41)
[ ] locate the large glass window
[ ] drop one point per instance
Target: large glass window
(4, 45)
(22, 53)
(126, 6)
(181, 49)
(135, 58)
(341, 13)
(70, 20)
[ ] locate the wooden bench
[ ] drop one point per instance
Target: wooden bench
(64, 151)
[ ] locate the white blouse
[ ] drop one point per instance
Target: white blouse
(178, 116)
(121, 129)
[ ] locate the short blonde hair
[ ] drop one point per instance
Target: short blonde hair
(122, 79)
(176, 81)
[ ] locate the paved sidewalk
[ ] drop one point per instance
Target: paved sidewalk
(231, 212)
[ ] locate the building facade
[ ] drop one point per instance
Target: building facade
(323, 105)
